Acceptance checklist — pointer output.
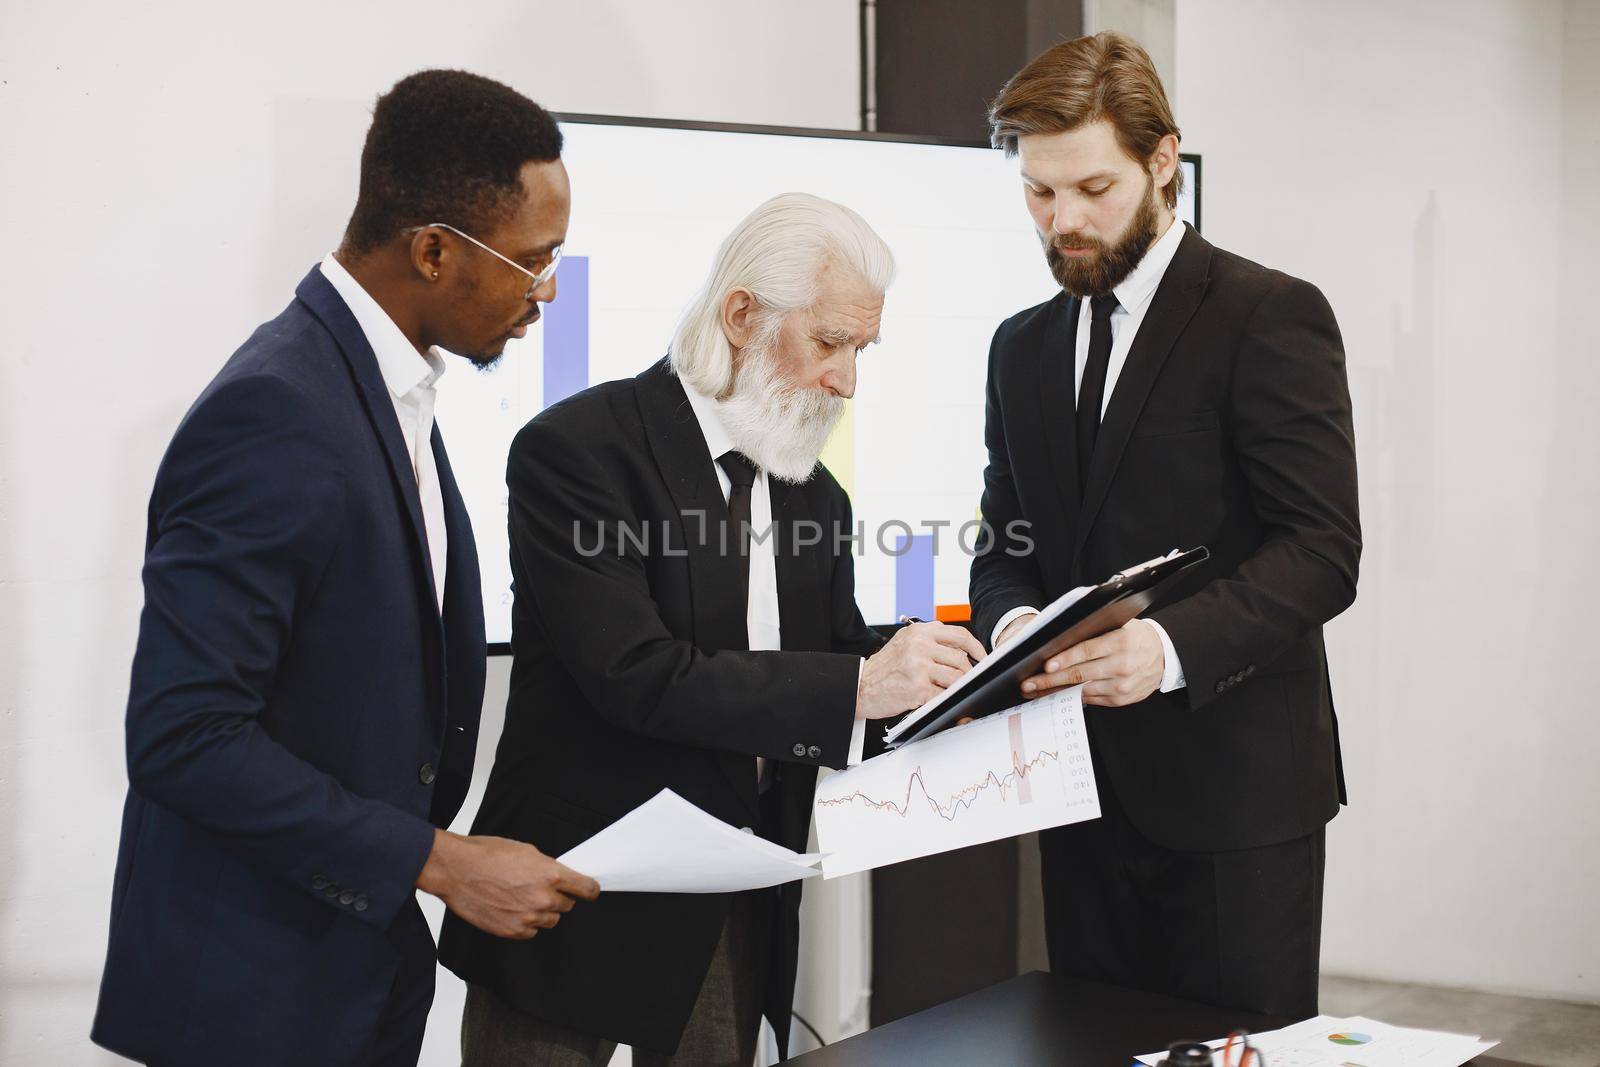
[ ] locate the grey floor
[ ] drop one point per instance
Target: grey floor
(1550, 1033)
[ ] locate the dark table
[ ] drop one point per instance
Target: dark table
(1038, 1018)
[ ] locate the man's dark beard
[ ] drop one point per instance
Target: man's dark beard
(1105, 270)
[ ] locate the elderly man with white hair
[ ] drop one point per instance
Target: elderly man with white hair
(685, 618)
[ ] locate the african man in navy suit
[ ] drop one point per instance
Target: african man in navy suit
(309, 673)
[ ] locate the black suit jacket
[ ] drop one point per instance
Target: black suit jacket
(1229, 427)
(292, 679)
(632, 675)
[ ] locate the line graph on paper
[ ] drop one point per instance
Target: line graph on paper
(947, 808)
(1022, 770)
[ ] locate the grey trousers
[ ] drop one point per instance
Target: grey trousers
(722, 1028)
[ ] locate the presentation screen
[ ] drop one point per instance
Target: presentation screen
(650, 204)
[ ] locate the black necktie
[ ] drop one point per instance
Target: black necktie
(742, 473)
(1092, 393)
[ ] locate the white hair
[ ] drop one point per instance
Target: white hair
(778, 252)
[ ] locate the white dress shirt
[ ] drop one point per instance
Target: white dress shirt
(410, 377)
(762, 624)
(1133, 295)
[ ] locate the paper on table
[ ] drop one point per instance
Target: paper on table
(667, 845)
(1329, 1042)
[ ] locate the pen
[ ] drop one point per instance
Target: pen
(908, 619)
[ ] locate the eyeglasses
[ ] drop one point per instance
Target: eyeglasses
(538, 278)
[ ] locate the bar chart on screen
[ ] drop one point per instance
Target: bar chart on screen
(1021, 770)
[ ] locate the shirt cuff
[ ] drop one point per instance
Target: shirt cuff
(1006, 620)
(1172, 674)
(858, 732)
(858, 742)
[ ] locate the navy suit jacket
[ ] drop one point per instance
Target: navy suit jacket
(300, 716)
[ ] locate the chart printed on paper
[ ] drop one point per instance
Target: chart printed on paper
(1012, 773)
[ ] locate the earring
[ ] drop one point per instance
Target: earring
(435, 275)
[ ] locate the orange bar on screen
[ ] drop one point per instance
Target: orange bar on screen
(953, 612)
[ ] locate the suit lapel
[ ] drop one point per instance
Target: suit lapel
(1173, 304)
(462, 619)
(317, 293)
(461, 567)
(687, 468)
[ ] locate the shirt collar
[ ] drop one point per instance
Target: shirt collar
(1140, 284)
(397, 358)
(705, 412)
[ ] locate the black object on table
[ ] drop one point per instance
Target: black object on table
(1038, 1018)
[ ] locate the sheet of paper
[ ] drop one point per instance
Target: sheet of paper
(1012, 773)
(1357, 1041)
(667, 845)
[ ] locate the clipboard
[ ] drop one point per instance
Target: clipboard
(995, 684)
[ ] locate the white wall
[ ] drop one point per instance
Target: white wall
(1432, 166)
(156, 205)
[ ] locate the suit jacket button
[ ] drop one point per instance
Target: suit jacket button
(1222, 687)
(1248, 671)
(361, 902)
(815, 751)
(426, 774)
(346, 897)
(747, 829)
(800, 750)
(330, 890)
(319, 883)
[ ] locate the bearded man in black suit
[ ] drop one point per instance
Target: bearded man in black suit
(1173, 394)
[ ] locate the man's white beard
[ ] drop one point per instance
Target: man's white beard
(780, 428)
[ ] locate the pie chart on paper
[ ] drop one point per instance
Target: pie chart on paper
(1350, 1039)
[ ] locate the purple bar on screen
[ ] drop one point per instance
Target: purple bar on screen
(566, 332)
(913, 577)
